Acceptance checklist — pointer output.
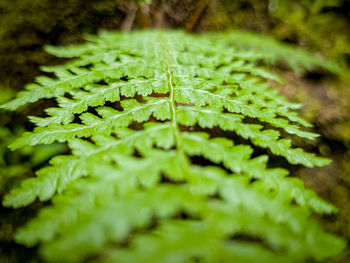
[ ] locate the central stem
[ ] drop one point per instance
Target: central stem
(174, 124)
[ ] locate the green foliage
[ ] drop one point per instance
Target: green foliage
(321, 25)
(162, 128)
(15, 167)
(19, 163)
(274, 52)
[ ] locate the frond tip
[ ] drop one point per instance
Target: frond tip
(162, 128)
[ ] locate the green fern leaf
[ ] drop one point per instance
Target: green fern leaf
(162, 128)
(272, 51)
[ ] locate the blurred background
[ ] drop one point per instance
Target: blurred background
(320, 26)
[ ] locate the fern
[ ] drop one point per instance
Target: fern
(272, 52)
(19, 163)
(139, 110)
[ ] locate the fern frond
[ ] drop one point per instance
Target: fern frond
(162, 128)
(273, 51)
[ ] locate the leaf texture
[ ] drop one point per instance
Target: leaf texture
(163, 129)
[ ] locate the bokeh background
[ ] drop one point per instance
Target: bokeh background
(320, 26)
